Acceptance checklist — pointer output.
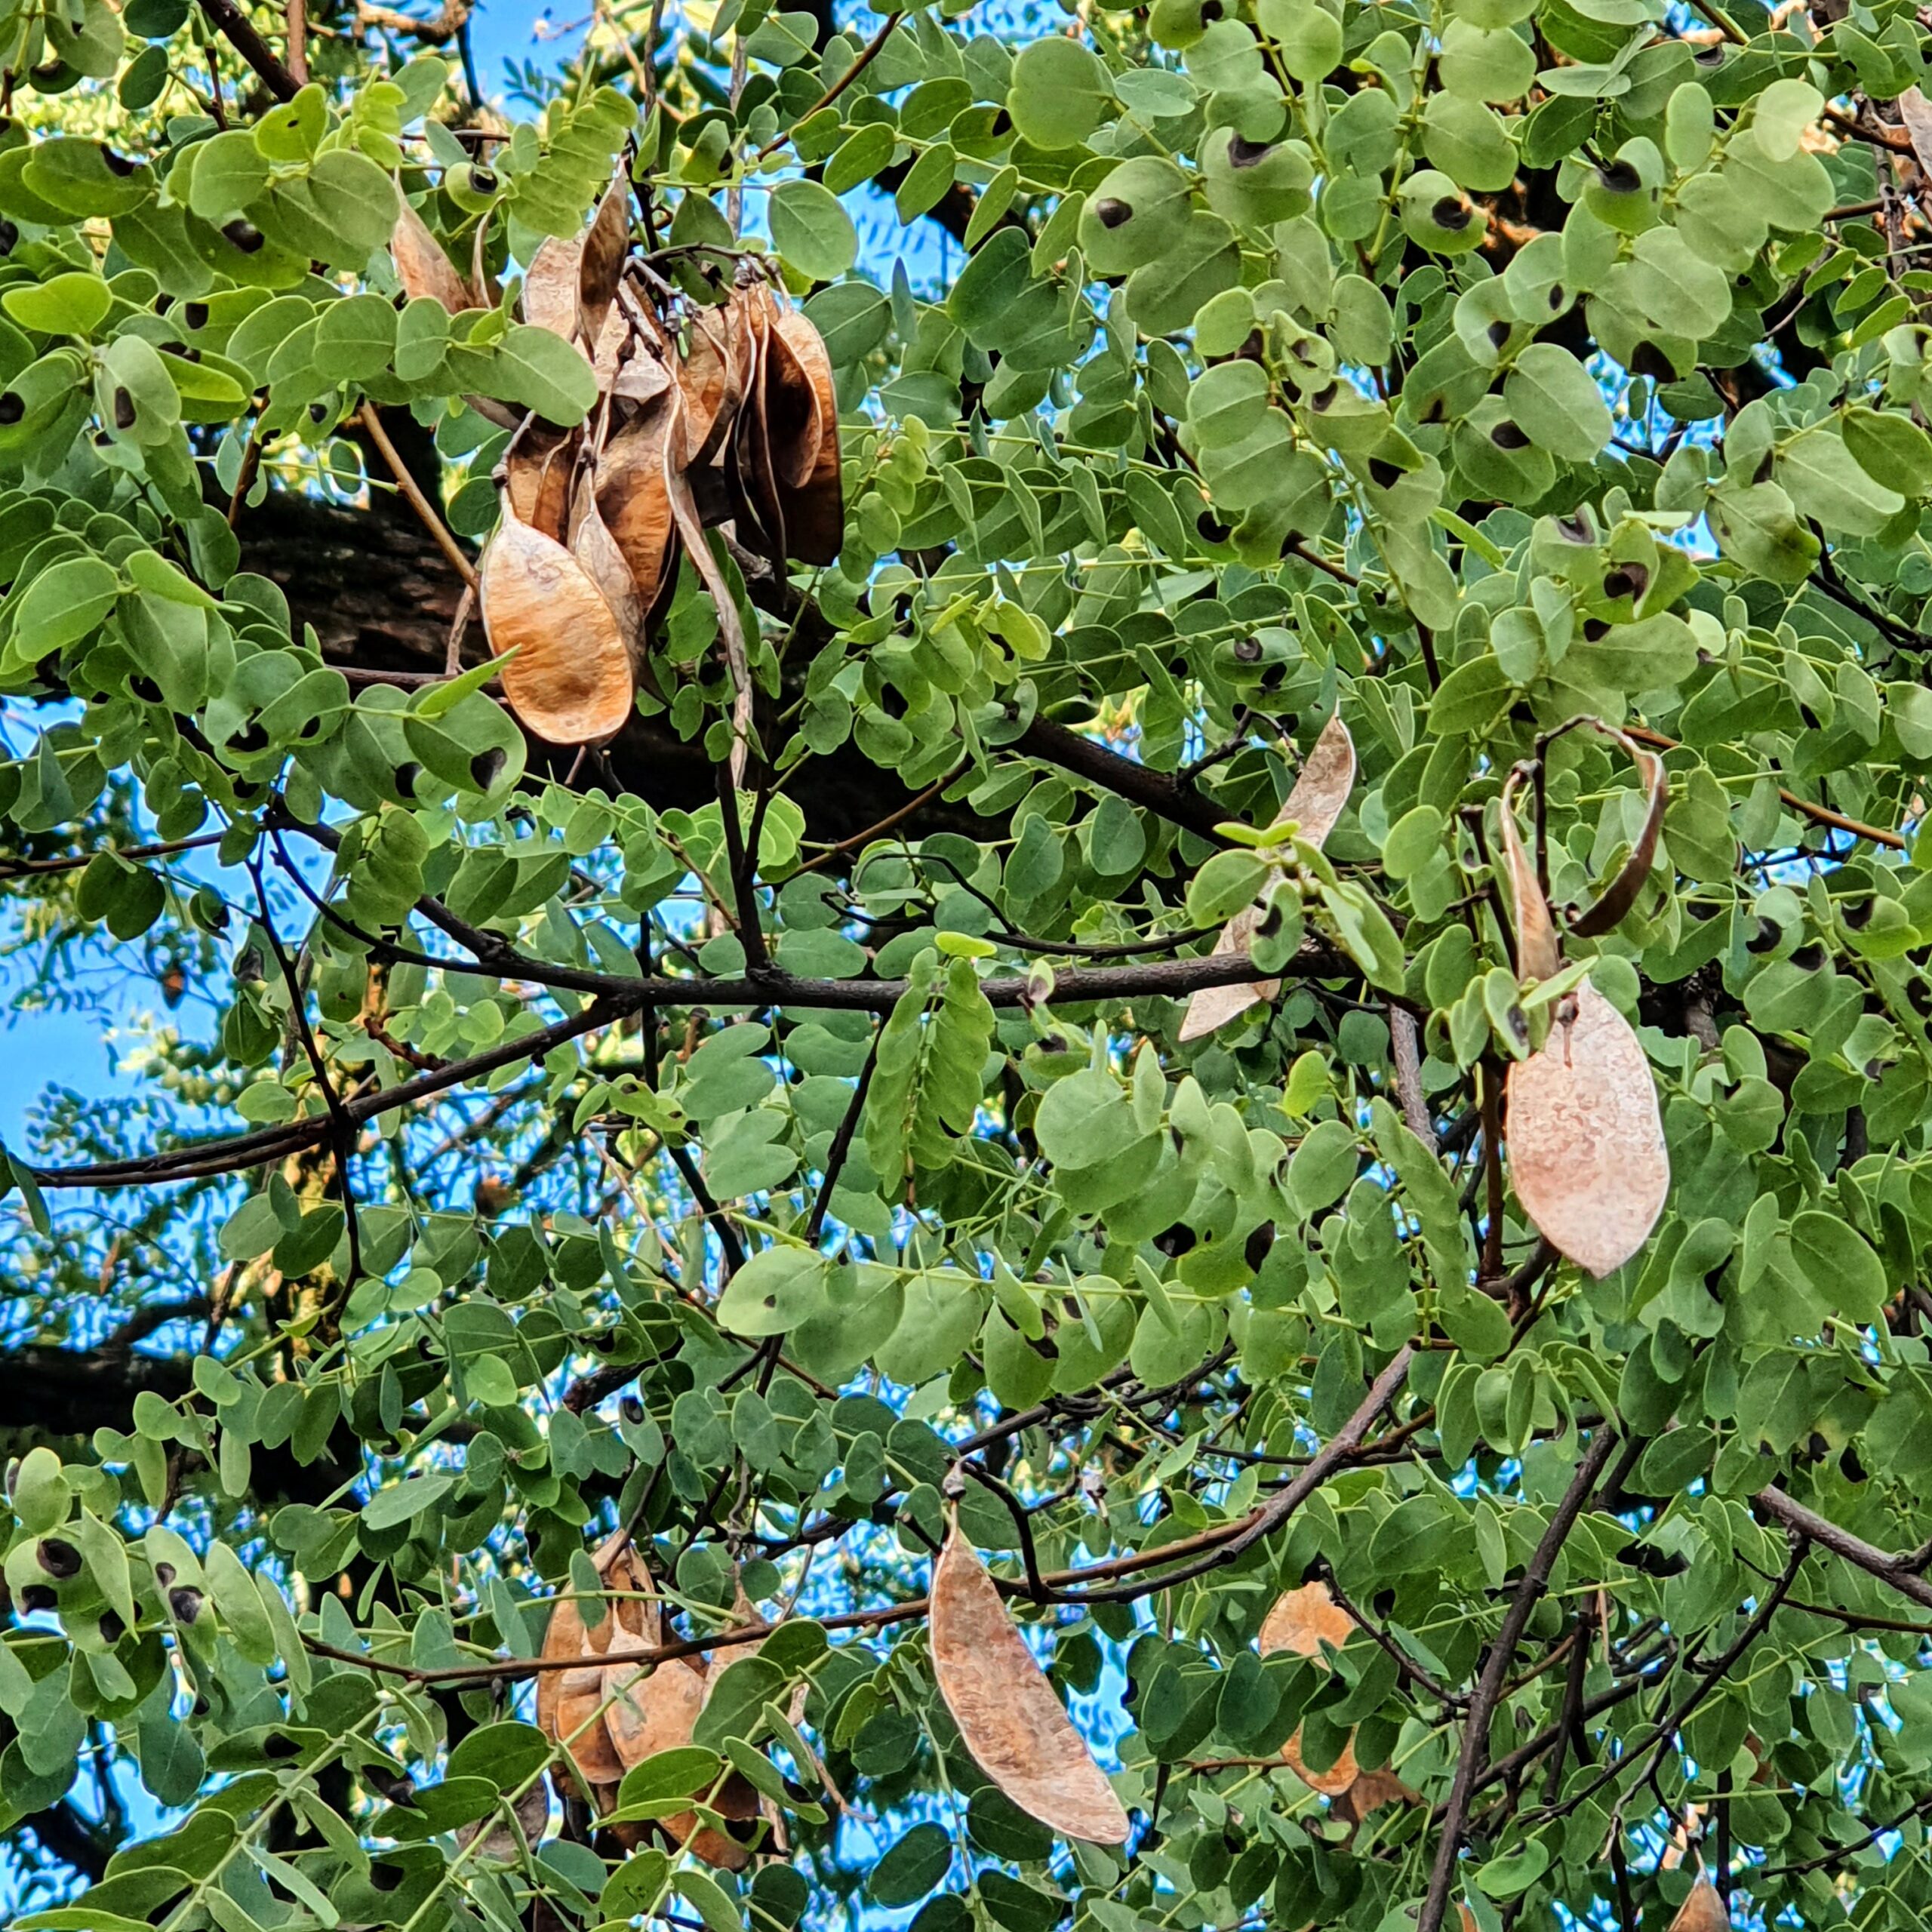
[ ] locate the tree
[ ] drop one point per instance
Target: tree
(1223, 915)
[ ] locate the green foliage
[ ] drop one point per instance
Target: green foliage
(546, 1155)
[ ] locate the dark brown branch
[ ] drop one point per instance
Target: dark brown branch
(1896, 1571)
(235, 27)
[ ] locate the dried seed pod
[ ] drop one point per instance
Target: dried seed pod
(1302, 1620)
(1702, 1911)
(538, 473)
(422, 266)
(1007, 1712)
(1585, 1143)
(1339, 1777)
(753, 470)
(570, 1700)
(592, 545)
(794, 419)
(633, 503)
(606, 244)
(500, 1843)
(711, 378)
(571, 679)
(1317, 800)
(1537, 955)
(1607, 914)
(550, 298)
(815, 509)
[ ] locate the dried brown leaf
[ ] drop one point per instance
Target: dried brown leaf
(571, 680)
(1370, 1792)
(422, 266)
(1703, 1911)
(1302, 1620)
(1537, 955)
(1008, 1714)
(1584, 1141)
(1317, 800)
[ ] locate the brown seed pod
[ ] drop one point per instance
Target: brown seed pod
(538, 473)
(569, 1701)
(1007, 1712)
(712, 376)
(571, 679)
(1620, 894)
(592, 545)
(1302, 1620)
(815, 507)
(1538, 956)
(1702, 1911)
(550, 298)
(606, 244)
(1585, 1144)
(634, 502)
(1317, 800)
(421, 266)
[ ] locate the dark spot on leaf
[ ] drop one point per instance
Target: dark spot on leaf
(1383, 474)
(37, 1596)
(1254, 1251)
(1709, 57)
(124, 409)
(1858, 916)
(1762, 474)
(117, 164)
(164, 1573)
(1626, 581)
(1810, 716)
(185, 1603)
(1647, 359)
(245, 235)
(58, 1558)
(1435, 411)
(278, 1744)
(11, 407)
(1451, 214)
(1498, 333)
(1575, 528)
(385, 1876)
(1767, 935)
(1918, 996)
(1209, 526)
(1002, 122)
(1619, 177)
(1507, 435)
(112, 1628)
(631, 1409)
(318, 412)
(1111, 212)
(1383, 1600)
(1556, 298)
(196, 314)
(1850, 1467)
(9, 235)
(1653, 1561)
(1175, 1242)
(483, 180)
(1245, 153)
(406, 776)
(1595, 628)
(145, 689)
(1324, 399)
(1248, 651)
(253, 739)
(1809, 958)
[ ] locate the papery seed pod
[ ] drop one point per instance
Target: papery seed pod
(537, 472)
(421, 266)
(712, 375)
(550, 288)
(1008, 1716)
(1319, 796)
(1702, 1911)
(570, 680)
(606, 244)
(592, 545)
(815, 509)
(634, 503)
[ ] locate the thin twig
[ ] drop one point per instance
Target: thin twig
(424, 510)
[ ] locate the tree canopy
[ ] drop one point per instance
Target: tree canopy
(1043, 977)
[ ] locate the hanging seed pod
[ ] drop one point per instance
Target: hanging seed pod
(1319, 796)
(634, 503)
(421, 266)
(1587, 1156)
(592, 545)
(571, 679)
(550, 297)
(711, 378)
(601, 254)
(1007, 1712)
(1702, 1911)
(537, 475)
(569, 1701)
(753, 469)
(1302, 1620)
(815, 507)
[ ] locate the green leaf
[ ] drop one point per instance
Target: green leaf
(811, 230)
(776, 1290)
(1059, 93)
(543, 372)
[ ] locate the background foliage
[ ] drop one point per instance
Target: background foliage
(554, 1145)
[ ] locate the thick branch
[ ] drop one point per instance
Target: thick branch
(1897, 1571)
(234, 28)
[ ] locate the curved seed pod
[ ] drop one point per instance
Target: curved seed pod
(550, 299)
(1319, 796)
(634, 503)
(1620, 894)
(754, 470)
(592, 545)
(422, 266)
(1007, 1712)
(794, 419)
(1538, 956)
(1702, 1911)
(537, 472)
(815, 513)
(533, 1814)
(711, 377)
(600, 254)
(571, 679)
(569, 1701)
(1585, 1145)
